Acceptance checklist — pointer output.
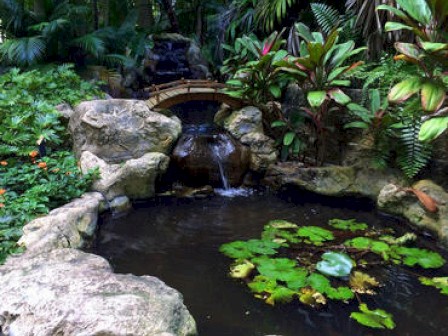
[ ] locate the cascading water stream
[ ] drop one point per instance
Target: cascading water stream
(220, 150)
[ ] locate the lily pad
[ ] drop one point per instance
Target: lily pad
(375, 246)
(378, 318)
(348, 224)
(249, 249)
(282, 269)
(281, 231)
(315, 235)
(335, 264)
(438, 282)
(412, 256)
(241, 269)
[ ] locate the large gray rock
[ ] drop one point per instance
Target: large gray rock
(69, 292)
(246, 125)
(396, 200)
(117, 130)
(68, 226)
(359, 181)
(134, 178)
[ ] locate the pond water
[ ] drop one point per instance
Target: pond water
(177, 240)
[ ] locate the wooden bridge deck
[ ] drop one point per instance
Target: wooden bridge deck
(169, 94)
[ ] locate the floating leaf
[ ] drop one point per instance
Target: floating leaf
(374, 246)
(241, 269)
(249, 249)
(311, 297)
(439, 283)
(280, 231)
(315, 234)
(280, 295)
(340, 293)
(377, 318)
(363, 283)
(403, 240)
(262, 284)
(348, 224)
(335, 264)
(412, 256)
(282, 269)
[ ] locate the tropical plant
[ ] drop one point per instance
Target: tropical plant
(321, 69)
(427, 20)
(291, 139)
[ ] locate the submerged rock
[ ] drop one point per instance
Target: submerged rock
(357, 181)
(69, 292)
(396, 200)
(117, 130)
(67, 226)
(134, 178)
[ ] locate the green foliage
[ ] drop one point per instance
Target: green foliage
(437, 282)
(34, 188)
(249, 249)
(313, 265)
(347, 224)
(315, 235)
(326, 16)
(268, 12)
(335, 264)
(378, 318)
(27, 107)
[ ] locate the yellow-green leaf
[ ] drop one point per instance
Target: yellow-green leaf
(404, 90)
(433, 96)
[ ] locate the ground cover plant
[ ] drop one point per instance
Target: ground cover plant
(313, 265)
(36, 178)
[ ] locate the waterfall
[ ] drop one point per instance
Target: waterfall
(225, 182)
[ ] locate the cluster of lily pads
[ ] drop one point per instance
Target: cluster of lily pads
(315, 264)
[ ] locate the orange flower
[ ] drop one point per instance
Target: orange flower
(3, 163)
(2, 191)
(42, 165)
(34, 153)
(2, 205)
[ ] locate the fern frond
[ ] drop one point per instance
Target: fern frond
(91, 44)
(412, 155)
(23, 51)
(326, 16)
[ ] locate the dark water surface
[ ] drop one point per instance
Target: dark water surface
(177, 240)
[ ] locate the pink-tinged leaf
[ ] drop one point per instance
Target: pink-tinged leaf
(404, 90)
(408, 49)
(433, 128)
(433, 96)
(266, 48)
(316, 98)
(354, 66)
(339, 96)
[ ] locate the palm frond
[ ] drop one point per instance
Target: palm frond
(270, 12)
(23, 51)
(91, 44)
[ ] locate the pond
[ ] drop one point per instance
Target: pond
(177, 240)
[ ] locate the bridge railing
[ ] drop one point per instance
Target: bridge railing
(157, 90)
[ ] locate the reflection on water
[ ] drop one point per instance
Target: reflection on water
(177, 240)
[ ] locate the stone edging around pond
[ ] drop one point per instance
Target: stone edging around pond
(54, 288)
(382, 186)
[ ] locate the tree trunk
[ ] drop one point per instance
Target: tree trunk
(145, 13)
(199, 24)
(95, 14)
(104, 6)
(168, 6)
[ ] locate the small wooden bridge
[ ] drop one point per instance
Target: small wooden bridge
(169, 94)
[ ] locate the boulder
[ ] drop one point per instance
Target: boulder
(247, 120)
(68, 226)
(117, 130)
(395, 200)
(203, 158)
(246, 125)
(134, 178)
(69, 292)
(359, 181)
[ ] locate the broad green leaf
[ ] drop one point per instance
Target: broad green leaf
(433, 96)
(316, 51)
(279, 123)
(375, 100)
(282, 269)
(392, 26)
(405, 89)
(412, 256)
(340, 53)
(434, 47)
(340, 293)
(377, 318)
(341, 82)
(433, 128)
(316, 98)
(348, 224)
(248, 249)
(393, 10)
(357, 124)
(438, 282)
(275, 91)
(315, 234)
(288, 138)
(280, 295)
(335, 264)
(417, 9)
(339, 96)
(408, 49)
